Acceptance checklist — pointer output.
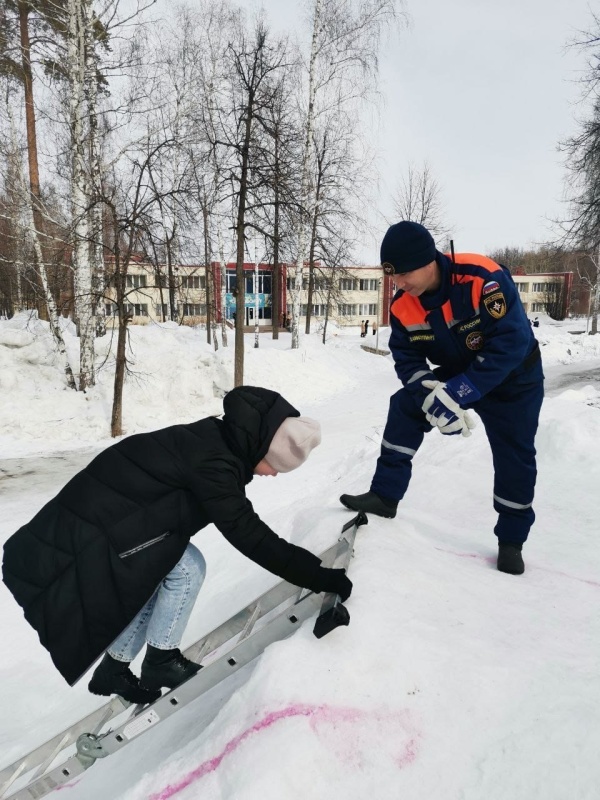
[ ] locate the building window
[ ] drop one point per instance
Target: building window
(545, 287)
(231, 280)
(368, 284)
(162, 310)
(193, 282)
(368, 309)
(523, 288)
(110, 309)
(347, 284)
(291, 284)
(136, 309)
(194, 309)
(538, 307)
(346, 310)
(136, 281)
(318, 309)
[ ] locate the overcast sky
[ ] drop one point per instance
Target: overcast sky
(484, 91)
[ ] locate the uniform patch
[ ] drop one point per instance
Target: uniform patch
(490, 286)
(495, 305)
(468, 325)
(421, 337)
(474, 340)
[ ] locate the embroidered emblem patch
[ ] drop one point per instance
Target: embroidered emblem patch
(474, 340)
(491, 286)
(388, 268)
(495, 305)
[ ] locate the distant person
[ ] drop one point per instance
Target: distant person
(107, 565)
(536, 322)
(374, 328)
(363, 330)
(366, 326)
(466, 317)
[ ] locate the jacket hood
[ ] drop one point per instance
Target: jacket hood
(252, 416)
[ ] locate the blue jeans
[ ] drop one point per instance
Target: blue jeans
(162, 621)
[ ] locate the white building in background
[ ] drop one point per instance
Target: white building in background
(355, 297)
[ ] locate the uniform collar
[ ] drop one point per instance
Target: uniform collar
(431, 300)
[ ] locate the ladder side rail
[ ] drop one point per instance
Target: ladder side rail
(224, 633)
(242, 653)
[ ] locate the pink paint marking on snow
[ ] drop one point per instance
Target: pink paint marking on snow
(318, 715)
(478, 556)
(212, 764)
(543, 569)
(571, 577)
(410, 754)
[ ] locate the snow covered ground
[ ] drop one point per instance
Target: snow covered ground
(452, 681)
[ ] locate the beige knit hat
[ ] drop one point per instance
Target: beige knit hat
(293, 441)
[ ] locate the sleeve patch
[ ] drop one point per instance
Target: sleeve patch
(495, 305)
(490, 286)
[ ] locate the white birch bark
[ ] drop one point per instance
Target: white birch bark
(256, 302)
(223, 274)
(95, 214)
(31, 231)
(82, 268)
(304, 179)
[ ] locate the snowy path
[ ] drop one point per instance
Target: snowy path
(452, 680)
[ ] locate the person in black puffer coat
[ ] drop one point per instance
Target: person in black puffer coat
(107, 564)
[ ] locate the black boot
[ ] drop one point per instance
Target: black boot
(115, 677)
(370, 503)
(166, 668)
(510, 559)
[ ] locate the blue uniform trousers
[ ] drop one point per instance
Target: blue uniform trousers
(509, 415)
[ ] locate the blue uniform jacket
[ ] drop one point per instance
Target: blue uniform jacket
(474, 324)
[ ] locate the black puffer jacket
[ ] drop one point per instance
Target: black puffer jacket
(89, 560)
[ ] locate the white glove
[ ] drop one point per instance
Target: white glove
(443, 411)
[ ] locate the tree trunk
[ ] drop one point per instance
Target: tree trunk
(80, 205)
(29, 207)
(256, 302)
(239, 262)
(207, 273)
(304, 181)
(32, 151)
(95, 223)
(275, 275)
(223, 277)
(116, 422)
(313, 244)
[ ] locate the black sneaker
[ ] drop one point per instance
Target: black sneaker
(166, 668)
(115, 677)
(370, 503)
(510, 559)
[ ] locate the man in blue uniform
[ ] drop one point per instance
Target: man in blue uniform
(464, 315)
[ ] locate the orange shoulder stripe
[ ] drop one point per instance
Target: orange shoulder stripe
(476, 259)
(408, 310)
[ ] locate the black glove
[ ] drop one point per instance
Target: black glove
(334, 580)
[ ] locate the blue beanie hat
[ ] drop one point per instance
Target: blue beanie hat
(406, 246)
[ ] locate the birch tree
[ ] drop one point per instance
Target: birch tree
(342, 64)
(24, 190)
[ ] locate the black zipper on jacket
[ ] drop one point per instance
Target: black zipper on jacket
(144, 545)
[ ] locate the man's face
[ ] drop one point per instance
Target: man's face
(425, 279)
